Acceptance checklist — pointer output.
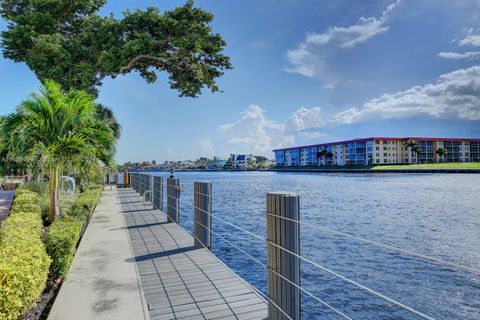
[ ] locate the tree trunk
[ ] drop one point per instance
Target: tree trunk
(53, 210)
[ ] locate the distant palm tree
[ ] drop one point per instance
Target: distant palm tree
(414, 148)
(329, 155)
(321, 154)
(53, 129)
(441, 152)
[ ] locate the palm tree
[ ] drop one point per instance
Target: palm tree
(106, 115)
(441, 152)
(322, 154)
(414, 148)
(329, 155)
(53, 129)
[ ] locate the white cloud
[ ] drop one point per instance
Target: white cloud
(207, 147)
(252, 131)
(310, 57)
(470, 55)
(304, 121)
(455, 95)
(472, 38)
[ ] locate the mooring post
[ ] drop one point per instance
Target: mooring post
(149, 189)
(173, 200)
(285, 234)
(134, 181)
(202, 210)
(157, 194)
(140, 184)
(144, 185)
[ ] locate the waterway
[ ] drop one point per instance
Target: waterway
(437, 215)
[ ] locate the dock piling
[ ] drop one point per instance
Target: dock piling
(285, 234)
(157, 195)
(173, 200)
(202, 210)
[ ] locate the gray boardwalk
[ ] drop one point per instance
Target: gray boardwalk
(180, 282)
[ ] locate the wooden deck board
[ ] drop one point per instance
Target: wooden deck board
(179, 281)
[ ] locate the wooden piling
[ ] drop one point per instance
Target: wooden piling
(202, 211)
(157, 194)
(173, 200)
(285, 234)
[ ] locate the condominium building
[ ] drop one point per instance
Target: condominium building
(380, 150)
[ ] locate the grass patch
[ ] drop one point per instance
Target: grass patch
(431, 166)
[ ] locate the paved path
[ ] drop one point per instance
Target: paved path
(102, 282)
(181, 282)
(6, 198)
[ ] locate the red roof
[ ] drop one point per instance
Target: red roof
(383, 138)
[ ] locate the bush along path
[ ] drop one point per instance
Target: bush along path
(24, 263)
(34, 259)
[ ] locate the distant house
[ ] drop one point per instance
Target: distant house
(242, 161)
(217, 165)
(183, 165)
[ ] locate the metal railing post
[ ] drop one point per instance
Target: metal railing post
(173, 200)
(157, 194)
(285, 234)
(202, 219)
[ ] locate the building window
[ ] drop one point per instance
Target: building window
(378, 160)
(377, 154)
(384, 154)
(385, 160)
(377, 141)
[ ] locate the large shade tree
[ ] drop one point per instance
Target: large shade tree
(69, 42)
(54, 129)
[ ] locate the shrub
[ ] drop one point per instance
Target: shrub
(40, 187)
(65, 232)
(61, 244)
(24, 263)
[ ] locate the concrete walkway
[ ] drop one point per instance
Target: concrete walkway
(102, 282)
(6, 199)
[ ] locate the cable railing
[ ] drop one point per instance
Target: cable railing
(370, 242)
(307, 260)
(371, 291)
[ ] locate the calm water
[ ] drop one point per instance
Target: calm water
(436, 215)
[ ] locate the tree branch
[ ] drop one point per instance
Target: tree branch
(68, 11)
(129, 66)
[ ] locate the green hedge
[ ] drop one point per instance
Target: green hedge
(61, 244)
(65, 232)
(24, 263)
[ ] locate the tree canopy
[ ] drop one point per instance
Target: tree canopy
(69, 42)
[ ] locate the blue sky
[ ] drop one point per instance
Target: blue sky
(305, 72)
